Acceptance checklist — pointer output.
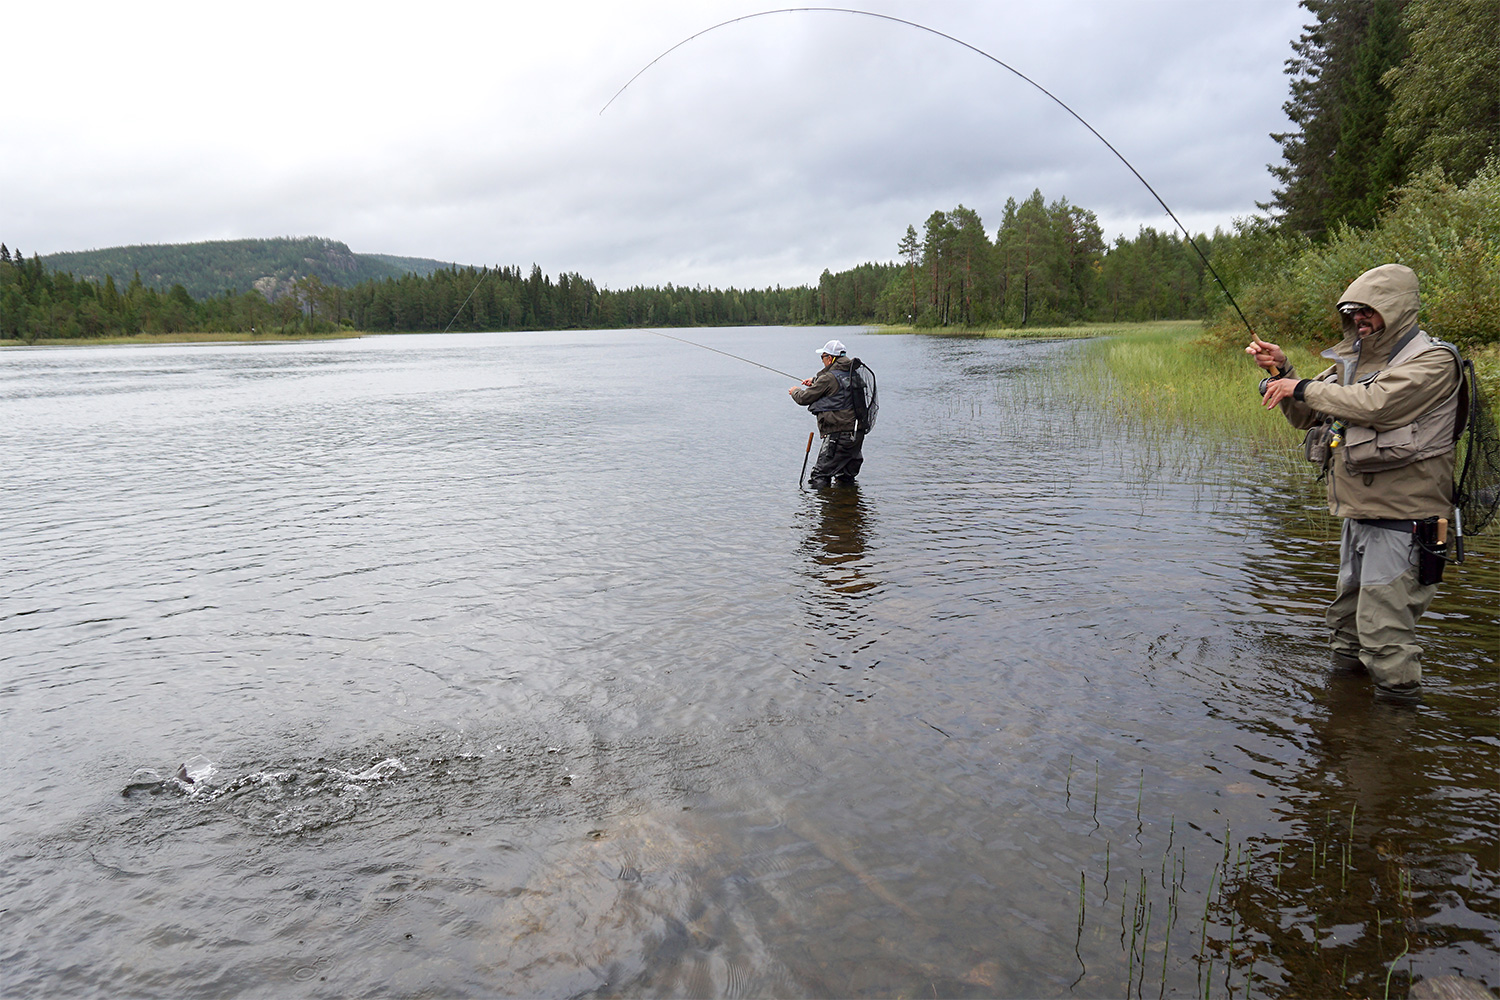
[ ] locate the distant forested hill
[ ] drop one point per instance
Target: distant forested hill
(1047, 265)
(267, 266)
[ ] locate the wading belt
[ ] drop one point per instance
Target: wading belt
(1388, 524)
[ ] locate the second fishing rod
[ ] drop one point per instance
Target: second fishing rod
(857, 384)
(726, 354)
(757, 364)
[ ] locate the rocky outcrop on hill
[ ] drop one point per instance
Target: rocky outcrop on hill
(270, 267)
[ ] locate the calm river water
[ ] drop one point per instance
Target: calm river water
(517, 664)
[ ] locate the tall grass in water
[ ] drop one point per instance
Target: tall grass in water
(1164, 376)
(1077, 332)
(1190, 410)
(1171, 373)
(1321, 909)
(1194, 399)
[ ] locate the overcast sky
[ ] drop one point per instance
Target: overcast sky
(758, 154)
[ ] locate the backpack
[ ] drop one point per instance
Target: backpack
(865, 396)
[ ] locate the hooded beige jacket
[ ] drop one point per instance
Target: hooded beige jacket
(1397, 391)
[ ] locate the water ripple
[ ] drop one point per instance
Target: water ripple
(525, 668)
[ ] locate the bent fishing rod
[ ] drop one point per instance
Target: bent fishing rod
(972, 48)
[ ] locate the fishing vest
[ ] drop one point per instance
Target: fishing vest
(842, 399)
(1432, 433)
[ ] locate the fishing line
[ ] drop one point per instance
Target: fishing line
(758, 365)
(482, 276)
(972, 48)
(726, 354)
(690, 343)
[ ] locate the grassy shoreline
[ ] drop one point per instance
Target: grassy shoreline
(1174, 372)
(1081, 331)
(1138, 357)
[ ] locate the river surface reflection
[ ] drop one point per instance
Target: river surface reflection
(517, 664)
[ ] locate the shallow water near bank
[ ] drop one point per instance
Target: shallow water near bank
(517, 664)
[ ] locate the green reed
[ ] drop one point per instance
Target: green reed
(1166, 376)
(1181, 400)
(1392, 969)
(1324, 872)
(1078, 332)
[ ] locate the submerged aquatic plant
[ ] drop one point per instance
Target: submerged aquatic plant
(1279, 915)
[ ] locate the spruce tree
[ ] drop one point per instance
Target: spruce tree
(1039, 248)
(911, 252)
(1366, 162)
(937, 247)
(1325, 59)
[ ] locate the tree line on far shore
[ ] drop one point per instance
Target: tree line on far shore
(38, 304)
(1047, 265)
(1056, 270)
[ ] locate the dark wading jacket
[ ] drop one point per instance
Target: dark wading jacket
(1397, 392)
(830, 398)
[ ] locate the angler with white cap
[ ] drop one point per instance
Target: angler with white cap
(830, 395)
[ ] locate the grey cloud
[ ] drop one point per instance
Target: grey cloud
(758, 154)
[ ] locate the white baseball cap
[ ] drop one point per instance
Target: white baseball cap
(833, 347)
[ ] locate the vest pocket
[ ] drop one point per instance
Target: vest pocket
(1366, 450)
(1315, 443)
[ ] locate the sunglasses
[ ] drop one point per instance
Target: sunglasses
(1358, 312)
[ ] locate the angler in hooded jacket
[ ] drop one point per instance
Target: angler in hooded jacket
(830, 397)
(1393, 393)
